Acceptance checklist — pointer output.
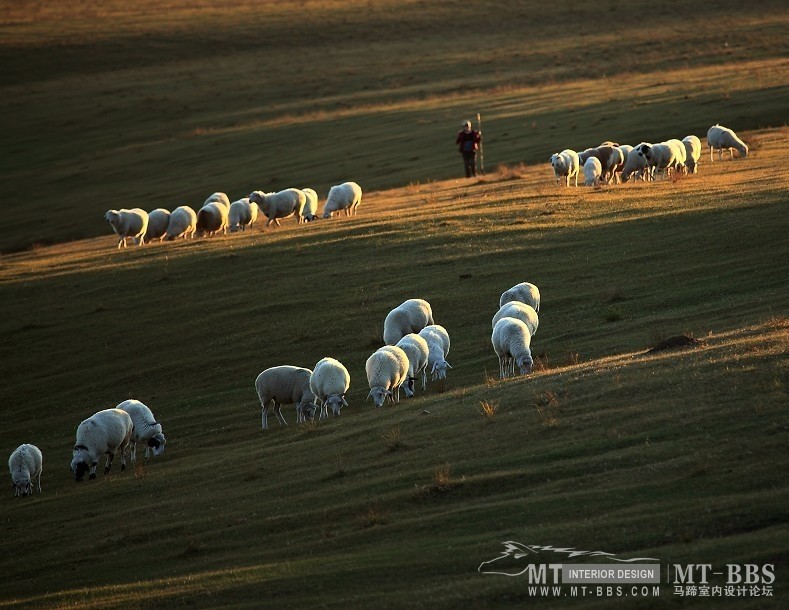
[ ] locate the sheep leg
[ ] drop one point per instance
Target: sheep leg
(264, 416)
(39, 481)
(108, 464)
(278, 413)
(92, 474)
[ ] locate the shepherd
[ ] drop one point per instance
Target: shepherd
(469, 141)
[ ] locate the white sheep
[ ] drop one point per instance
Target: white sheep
(218, 197)
(282, 204)
(624, 150)
(609, 157)
(128, 223)
(286, 385)
(523, 292)
(310, 210)
(636, 163)
(418, 352)
(183, 223)
(565, 165)
(387, 370)
(593, 172)
(146, 429)
(723, 138)
(329, 382)
(346, 196)
(665, 156)
(242, 214)
(212, 218)
(158, 221)
(692, 153)
(511, 341)
(521, 311)
(25, 466)
(410, 316)
(437, 339)
(106, 432)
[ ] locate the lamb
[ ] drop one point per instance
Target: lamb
(329, 382)
(609, 157)
(437, 339)
(410, 316)
(158, 220)
(25, 466)
(346, 196)
(286, 385)
(593, 172)
(282, 204)
(692, 153)
(418, 352)
(212, 218)
(183, 223)
(565, 165)
(242, 214)
(128, 223)
(523, 292)
(721, 137)
(636, 163)
(106, 432)
(218, 197)
(146, 429)
(310, 209)
(387, 370)
(520, 311)
(512, 343)
(666, 156)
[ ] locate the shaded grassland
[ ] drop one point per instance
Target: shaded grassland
(162, 103)
(678, 455)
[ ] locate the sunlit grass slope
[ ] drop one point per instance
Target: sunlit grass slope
(679, 455)
(156, 103)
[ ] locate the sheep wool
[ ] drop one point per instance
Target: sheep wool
(25, 465)
(437, 339)
(418, 352)
(218, 197)
(329, 382)
(521, 311)
(183, 223)
(523, 292)
(106, 432)
(242, 214)
(158, 220)
(310, 211)
(128, 223)
(346, 196)
(565, 166)
(285, 385)
(146, 429)
(386, 369)
(282, 204)
(410, 316)
(692, 153)
(511, 341)
(593, 172)
(722, 138)
(212, 218)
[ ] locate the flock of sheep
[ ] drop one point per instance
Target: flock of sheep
(414, 345)
(219, 215)
(612, 162)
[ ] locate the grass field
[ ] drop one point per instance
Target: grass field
(679, 455)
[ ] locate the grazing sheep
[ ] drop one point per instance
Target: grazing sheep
(128, 223)
(512, 343)
(636, 163)
(593, 172)
(692, 153)
(242, 214)
(329, 382)
(309, 213)
(346, 196)
(183, 223)
(410, 316)
(624, 150)
(146, 429)
(106, 432)
(565, 165)
(666, 156)
(212, 218)
(521, 311)
(387, 370)
(722, 138)
(417, 351)
(158, 220)
(437, 339)
(282, 204)
(25, 466)
(218, 197)
(286, 385)
(608, 156)
(523, 292)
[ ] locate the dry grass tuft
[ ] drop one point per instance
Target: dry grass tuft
(547, 406)
(373, 517)
(488, 410)
(393, 440)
